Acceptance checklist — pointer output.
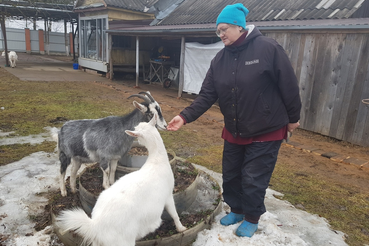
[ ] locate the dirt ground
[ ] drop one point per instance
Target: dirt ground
(209, 126)
(353, 178)
(211, 123)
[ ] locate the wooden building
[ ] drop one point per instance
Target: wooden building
(326, 40)
(98, 50)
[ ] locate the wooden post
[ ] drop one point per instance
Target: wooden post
(181, 68)
(48, 36)
(5, 39)
(111, 70)
(71, 44)
(66, 38)
(73, 37)
(46, 33)
(137, 60)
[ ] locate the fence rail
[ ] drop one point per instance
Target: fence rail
(56, 44)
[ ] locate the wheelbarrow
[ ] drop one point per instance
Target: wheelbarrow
(172, 76)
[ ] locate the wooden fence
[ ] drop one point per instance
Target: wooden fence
(333, 71)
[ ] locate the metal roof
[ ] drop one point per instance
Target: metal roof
(145, 6)
(200, 12)
(35, 10)
(208, 29)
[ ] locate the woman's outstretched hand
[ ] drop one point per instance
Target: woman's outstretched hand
(176, 123)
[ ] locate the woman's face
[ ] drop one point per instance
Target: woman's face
(228, 33)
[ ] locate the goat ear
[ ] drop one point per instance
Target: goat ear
(132, 133)
(139, 106)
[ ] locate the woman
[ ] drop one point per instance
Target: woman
(258, 95)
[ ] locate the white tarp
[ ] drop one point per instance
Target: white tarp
(197, 62)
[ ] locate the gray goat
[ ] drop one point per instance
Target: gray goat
(102, 140)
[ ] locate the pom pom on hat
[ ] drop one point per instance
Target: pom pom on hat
(233, 14)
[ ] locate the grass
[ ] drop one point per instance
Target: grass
(30, 106)
(15, 152)
(347, 210)
(209, 157)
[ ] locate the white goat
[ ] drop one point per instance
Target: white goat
(13, 57)
(132, 207)
(102, 140)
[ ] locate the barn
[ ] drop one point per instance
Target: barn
(326, 40)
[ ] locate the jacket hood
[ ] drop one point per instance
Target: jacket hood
(253, 32)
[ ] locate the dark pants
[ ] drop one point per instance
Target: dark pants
(247, 170)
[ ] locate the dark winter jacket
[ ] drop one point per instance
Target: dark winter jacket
(256, 87)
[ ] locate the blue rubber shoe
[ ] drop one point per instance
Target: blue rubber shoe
(231, 219)
(246, 229)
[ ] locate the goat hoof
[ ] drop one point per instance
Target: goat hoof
(181, 229)
(63, 193)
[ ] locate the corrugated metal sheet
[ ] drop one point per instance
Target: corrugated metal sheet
(164, 8)
(135, 5)
(199, 11)
(208, 29)
(36, 10)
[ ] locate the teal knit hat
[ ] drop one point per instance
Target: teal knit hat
(234, 14)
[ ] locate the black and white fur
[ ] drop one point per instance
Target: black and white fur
(132, 207)
(102, 140)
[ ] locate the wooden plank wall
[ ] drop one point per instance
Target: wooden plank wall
(333, 72)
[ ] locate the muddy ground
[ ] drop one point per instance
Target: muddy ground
(209, 127)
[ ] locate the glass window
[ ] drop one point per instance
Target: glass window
(104, 40)
(93, 39)
(91, 36)
(99, 38)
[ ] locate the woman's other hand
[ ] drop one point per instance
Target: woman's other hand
(292, 126)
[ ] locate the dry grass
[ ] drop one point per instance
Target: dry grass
(30, 106)
(346, 209)
(15, 152)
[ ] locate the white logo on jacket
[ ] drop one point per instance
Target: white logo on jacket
(251, 62)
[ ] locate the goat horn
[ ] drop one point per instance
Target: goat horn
(148, 95)
(141, 96)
